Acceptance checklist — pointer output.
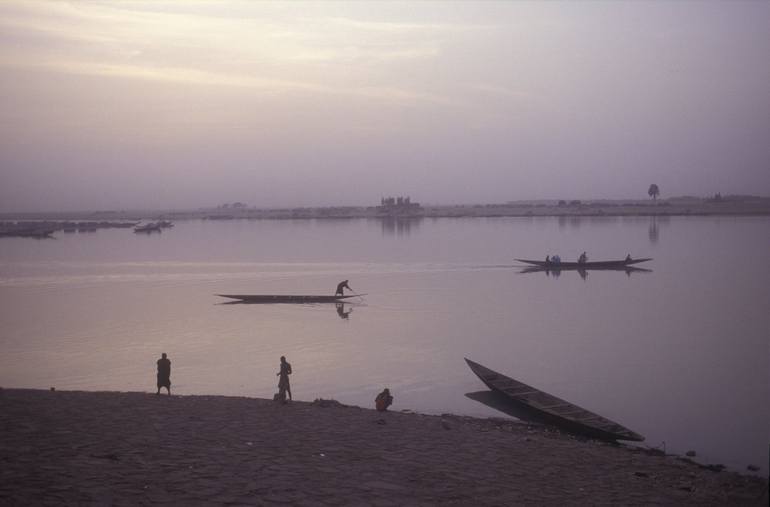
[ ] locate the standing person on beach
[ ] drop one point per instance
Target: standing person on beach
(283, 380)
(164, 373)
(340, 286)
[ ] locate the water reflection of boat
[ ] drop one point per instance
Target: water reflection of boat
(556, 270)
(585, 265)
(286, 298)
(341, 310)
(151, 227)
(545, 407)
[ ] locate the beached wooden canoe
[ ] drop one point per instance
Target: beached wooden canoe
(287, 298)
(585, 265)
(555, 410)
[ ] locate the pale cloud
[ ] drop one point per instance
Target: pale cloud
(169, 42)
(495, 89)
(511, 98)
(256, 84)
(177, 74)
(371, 55)
(300, 38)
(403, 28)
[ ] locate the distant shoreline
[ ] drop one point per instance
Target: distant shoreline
(755, 206)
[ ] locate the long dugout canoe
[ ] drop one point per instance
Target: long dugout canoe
(557, 411)
(287, 298)
(585, 265)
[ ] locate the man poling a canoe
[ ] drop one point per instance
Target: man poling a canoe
(341, 286)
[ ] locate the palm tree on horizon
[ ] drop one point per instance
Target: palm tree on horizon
(653, 191)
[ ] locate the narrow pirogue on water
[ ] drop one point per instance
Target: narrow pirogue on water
(287, 298)
(555, 410)
(585, 265)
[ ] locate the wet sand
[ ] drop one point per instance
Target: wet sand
(138, 448)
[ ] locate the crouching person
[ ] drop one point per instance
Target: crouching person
(383, 400)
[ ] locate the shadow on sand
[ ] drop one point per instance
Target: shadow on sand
(504, 404)
(520, 411)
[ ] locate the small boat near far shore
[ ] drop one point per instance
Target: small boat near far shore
(552, 409)
(287, 298)
(150, 227)
(585, 265)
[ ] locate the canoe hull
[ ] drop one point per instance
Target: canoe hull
(286, 298)
(585, 265)
(552, 409)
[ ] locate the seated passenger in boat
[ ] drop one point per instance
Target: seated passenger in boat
(583, 258)
(628, 258)
(555, 259)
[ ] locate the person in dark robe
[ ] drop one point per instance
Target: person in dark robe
(164, 373)
(383, 400)
(340, 286)
(284, 387)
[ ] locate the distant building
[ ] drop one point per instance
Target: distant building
(235, 205)
(399, 203)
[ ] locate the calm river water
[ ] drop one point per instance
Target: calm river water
(680, 354)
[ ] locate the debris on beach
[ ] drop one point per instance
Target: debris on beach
(320, 402)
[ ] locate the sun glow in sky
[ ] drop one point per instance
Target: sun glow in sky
(130, 104)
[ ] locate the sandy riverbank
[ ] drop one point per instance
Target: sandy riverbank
(136, 448)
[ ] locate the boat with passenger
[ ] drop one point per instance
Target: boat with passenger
(620, 264)
(288, 298)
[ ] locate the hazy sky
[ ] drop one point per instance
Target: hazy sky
(117, 105)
